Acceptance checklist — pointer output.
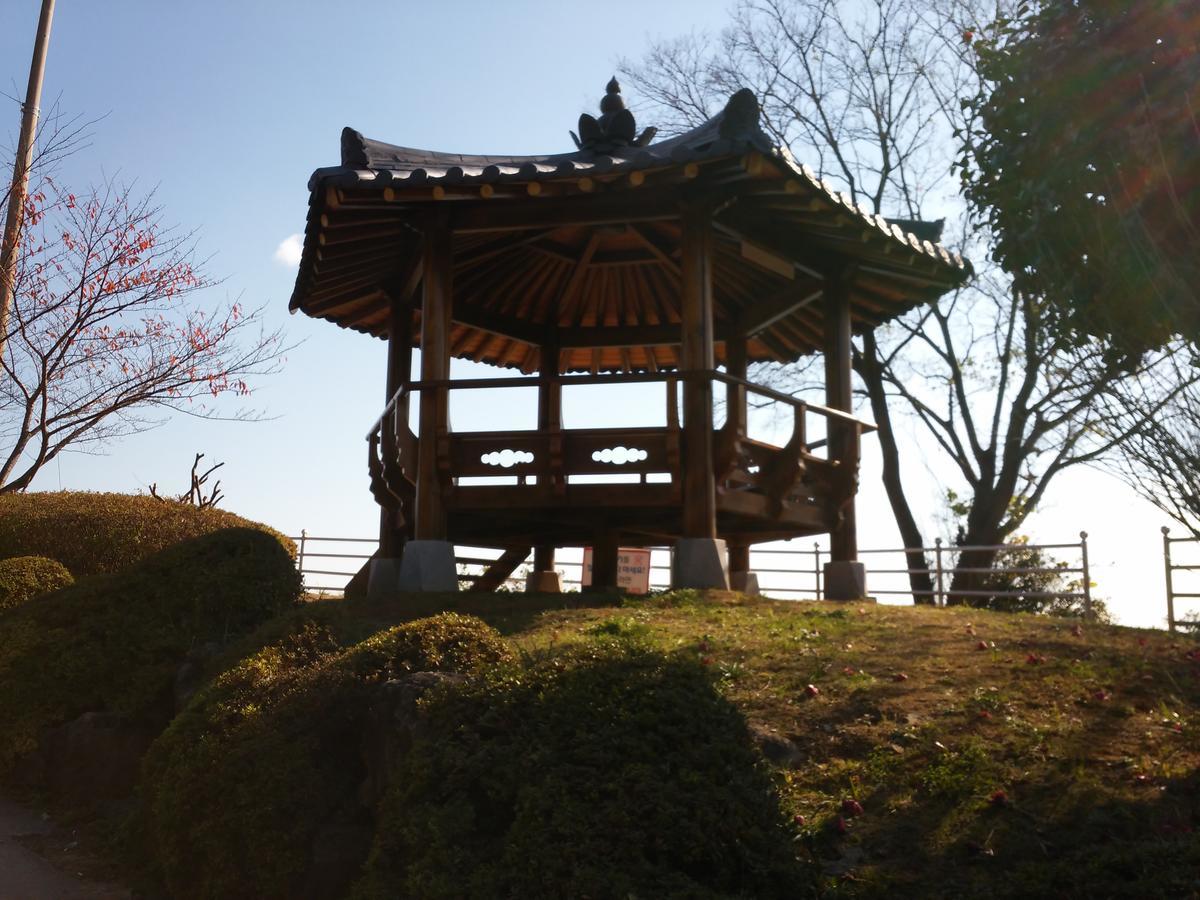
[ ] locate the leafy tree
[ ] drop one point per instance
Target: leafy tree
(112, 324)
(1084, 158)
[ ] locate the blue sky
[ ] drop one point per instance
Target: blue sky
(225, 108)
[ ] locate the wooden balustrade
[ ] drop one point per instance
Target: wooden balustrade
(750, 476)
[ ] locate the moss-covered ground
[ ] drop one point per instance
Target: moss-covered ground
(990, 754)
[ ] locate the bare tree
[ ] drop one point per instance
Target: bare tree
(872, 94)
(112, 326)
(1160, 458)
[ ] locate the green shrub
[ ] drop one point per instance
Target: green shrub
(115, 642)
(23, 577)
(610, 771)
(94, 534)
(234, 791)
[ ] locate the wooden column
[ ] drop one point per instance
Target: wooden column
(843, 439)
(436, 309)
(696, 356)
(735, 395)
(549, 422)
(399, 371)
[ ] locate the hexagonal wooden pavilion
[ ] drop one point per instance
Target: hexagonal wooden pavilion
(669, 264)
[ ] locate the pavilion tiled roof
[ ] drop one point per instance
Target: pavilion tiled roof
(780, 210)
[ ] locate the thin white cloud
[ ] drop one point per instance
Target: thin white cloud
(288, 251)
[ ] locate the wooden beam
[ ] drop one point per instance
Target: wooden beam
(764, 313)
(552, 212)
(655, 246)
(696, 355)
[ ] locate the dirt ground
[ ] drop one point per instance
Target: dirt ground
(27, 874)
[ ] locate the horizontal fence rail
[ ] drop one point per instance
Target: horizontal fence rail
(783, 571)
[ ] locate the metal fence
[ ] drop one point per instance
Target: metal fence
(783, 571)
(1172, 567)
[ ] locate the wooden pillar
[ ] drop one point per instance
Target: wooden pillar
(543, 559)
(843, 438)
(696, 356)
(399, 371)
(735, 395)
(605, 553)
(739, 559)
(436, 309)
(549, 424)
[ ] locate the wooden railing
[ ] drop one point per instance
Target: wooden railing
(549, 457)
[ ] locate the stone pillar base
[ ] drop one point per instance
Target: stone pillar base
(383, 578)
(428, 567)
(744, 583)
(543, 583)
(845, 581)
(699, 563)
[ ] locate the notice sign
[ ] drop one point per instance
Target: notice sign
(633, 569)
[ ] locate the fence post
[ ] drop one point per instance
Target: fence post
(939, 599)
(817, 568)
(300, 555)
(1170, 585)
(1087, 577)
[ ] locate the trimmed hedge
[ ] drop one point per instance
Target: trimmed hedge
(610, 771)
(235, 791)
(95, 534)
(116, 642)
(24, 577)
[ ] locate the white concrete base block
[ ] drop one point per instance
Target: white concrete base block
(700, 563)
(845, 581)
(383, 579)
(744, 583)
(543, 583)
(428, 567)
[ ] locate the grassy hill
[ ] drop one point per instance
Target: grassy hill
(943, 752)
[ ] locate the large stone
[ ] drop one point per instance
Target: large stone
(543, 583)
(845, 581)
(744, 583)
(94, 761)
(394, 721)
(700, 563)
(383, 578)
(428, 566)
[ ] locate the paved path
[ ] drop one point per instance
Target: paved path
(26, 876)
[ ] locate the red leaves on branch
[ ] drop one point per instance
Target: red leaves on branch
(107, 326)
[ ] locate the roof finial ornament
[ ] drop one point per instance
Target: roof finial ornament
(615, 127)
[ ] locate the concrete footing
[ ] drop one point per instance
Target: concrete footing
(428, 566)
(383, 578)
(543, 583)
(744, 583)
(845, 581)
(699, 563)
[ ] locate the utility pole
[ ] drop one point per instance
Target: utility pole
(21, 165)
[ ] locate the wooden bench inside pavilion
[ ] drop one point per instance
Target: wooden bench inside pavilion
(669, 265)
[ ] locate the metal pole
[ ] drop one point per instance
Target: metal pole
(817, 567)
(1087, 578)
(940, 599)
(1167, 571)
(300, 557)
(21, 166)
